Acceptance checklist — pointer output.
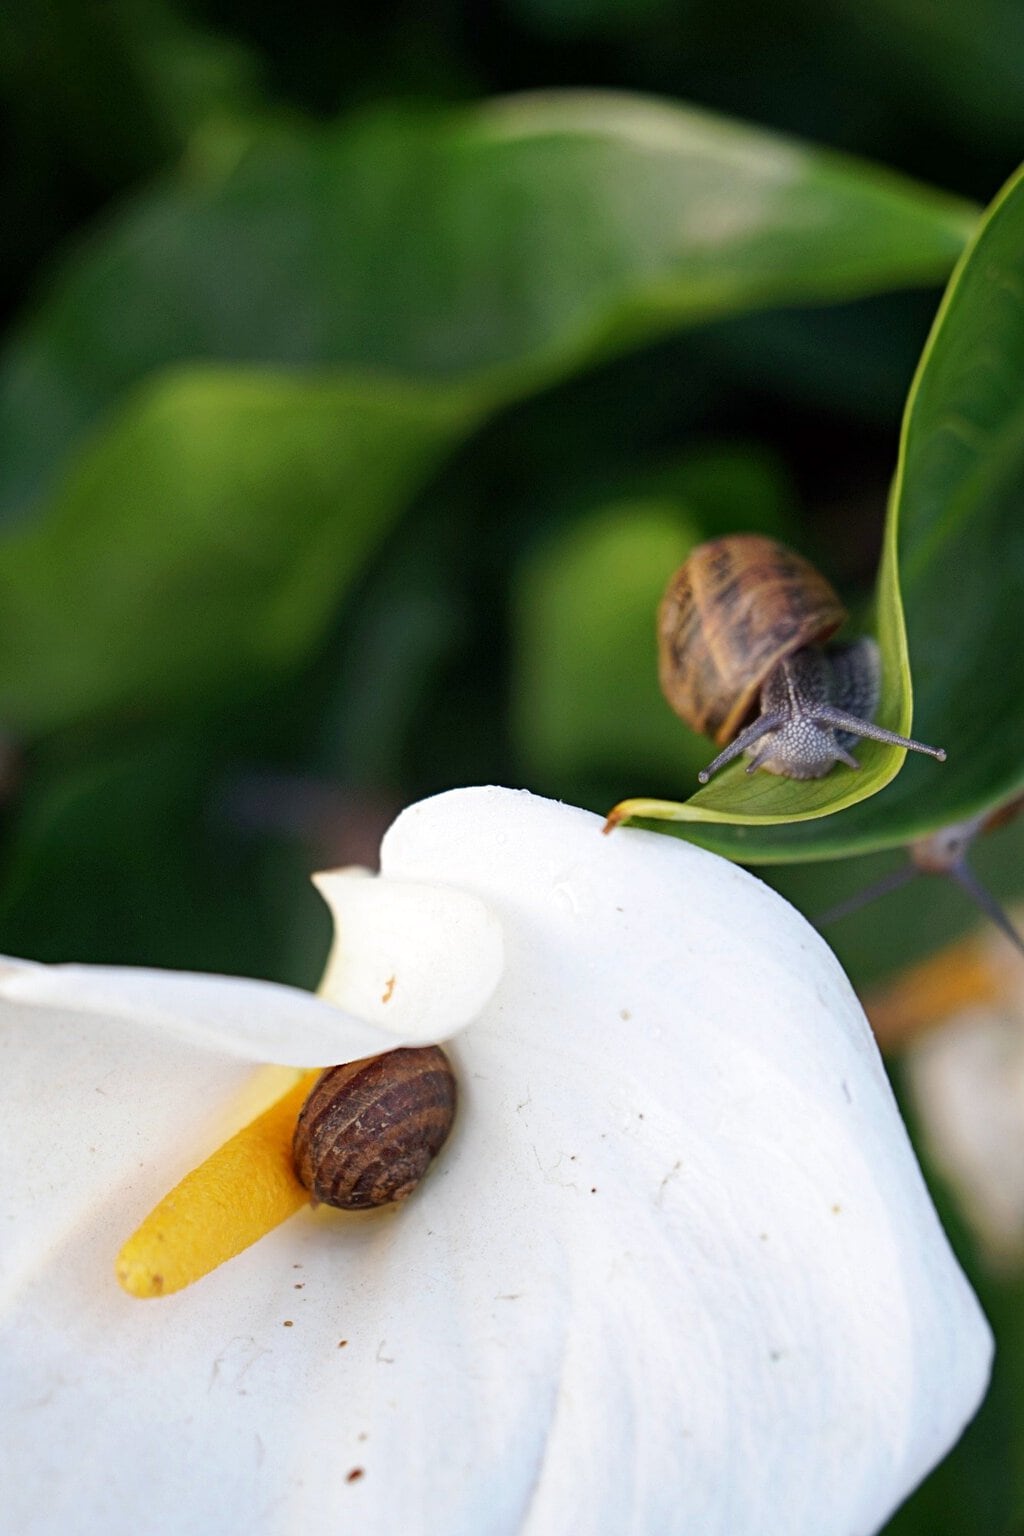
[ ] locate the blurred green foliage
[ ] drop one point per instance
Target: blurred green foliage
(352, 420)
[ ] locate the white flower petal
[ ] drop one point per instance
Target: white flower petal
(251, 1020)
(787, 1254)
(99, 1049)
(99, 1118)
(419, 959)
(675, 1274)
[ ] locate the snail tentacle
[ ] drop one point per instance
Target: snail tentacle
(745, 739)
(839, 720)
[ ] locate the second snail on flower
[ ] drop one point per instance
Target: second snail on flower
(743, 626)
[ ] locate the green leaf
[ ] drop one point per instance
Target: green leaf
(955, 520)
(507, 245)
(198, 546)
(411, 272)
(961, 531)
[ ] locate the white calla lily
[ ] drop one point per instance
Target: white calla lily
(676, 1273)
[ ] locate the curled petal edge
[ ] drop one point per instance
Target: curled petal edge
(417, 959)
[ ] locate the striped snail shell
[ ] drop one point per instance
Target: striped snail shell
(732, 611)
(741, 634)
(370, 1129)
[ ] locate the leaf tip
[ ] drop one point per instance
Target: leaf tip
(615, 818)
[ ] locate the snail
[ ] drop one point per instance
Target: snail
(370, 1129)
(745, 618)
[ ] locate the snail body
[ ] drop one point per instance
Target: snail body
(370, 1129)
(743, 626)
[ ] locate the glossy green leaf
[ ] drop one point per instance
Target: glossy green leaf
(956, 524)
(509, 244)
(430, 267)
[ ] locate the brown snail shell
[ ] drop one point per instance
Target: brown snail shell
(732, 612)
(370, 1128)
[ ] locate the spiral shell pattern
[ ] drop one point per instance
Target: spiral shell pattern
(370, 1129)
(732, 611)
